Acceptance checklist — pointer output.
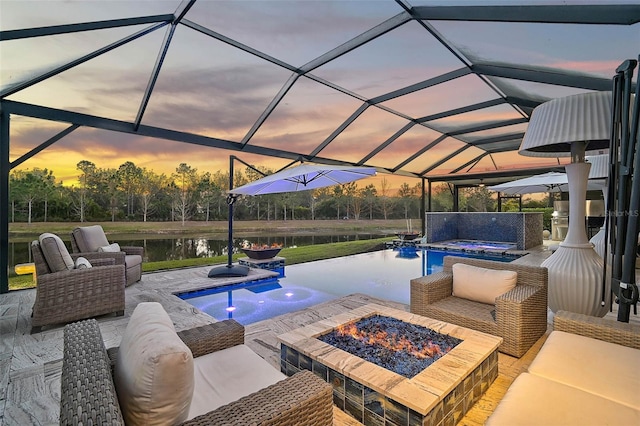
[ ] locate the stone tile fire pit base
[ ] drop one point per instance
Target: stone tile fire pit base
(439, 395)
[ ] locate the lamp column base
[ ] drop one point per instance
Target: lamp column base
(575, 280)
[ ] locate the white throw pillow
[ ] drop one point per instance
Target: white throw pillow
(481, 284)
(154, 370)
(111, 248)
(55, 253)
(82, 263)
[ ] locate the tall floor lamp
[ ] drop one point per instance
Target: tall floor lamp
(563, 127)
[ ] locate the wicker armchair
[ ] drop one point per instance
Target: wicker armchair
(75, 294)
(88, 393)
(87, 241)
(519, 316)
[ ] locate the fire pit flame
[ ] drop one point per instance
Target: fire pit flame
(390, 342)
(399, 346)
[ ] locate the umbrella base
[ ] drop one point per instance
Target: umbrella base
(229, 271)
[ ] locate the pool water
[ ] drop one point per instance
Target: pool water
(383, 274)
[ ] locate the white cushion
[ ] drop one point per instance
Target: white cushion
(481, 284)
(533, 400)
(154, 369)
(111, 248)
(82, 263)
(225, 376)
(598, 367)
(55, 253)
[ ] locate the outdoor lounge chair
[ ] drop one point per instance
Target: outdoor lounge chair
(66, 294)
(92, 242)
(519, 316)
(90, 384)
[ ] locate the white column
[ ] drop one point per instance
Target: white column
(575, 269)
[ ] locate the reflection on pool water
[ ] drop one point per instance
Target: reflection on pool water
(383, 274)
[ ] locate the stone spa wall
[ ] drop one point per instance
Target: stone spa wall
(524, 229)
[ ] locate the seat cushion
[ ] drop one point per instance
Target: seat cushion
(225, 376)
(55, 253)
(533, 400)
(154, 369)
(481, 284)
(90, 238)
(466, 313)
(594, 366)
(132, 260)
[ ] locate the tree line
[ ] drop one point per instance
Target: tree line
(132, 193)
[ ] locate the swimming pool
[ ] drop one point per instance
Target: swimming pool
(383, 274)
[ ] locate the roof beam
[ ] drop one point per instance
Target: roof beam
(52, 114)
(43, 145)
(547, 76)
(614, 14)
(340, 129)
(470, 162)
(20, 86)
(154, 74)
(443, 78)
(386, 143)
(462, 110)
(501, 138)
(420, 152)
(510, 173)
(238, 45)
(488, 126)
(375, 32)
(272, 105)
(444, 160)
(85, 26)
(506, 148)
(522, 102)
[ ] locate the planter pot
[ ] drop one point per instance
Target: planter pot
(261, 253)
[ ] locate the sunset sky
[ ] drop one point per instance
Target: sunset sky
(211, 88)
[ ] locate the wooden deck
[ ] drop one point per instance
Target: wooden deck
(30, 364)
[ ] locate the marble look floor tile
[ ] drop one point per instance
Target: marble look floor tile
(5, 365)
(9, 309)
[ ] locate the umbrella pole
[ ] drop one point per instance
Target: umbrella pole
(231, 199)
(230, 270)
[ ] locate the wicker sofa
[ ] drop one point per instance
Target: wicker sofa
(518, 316)
(91, 240)
(586, 373)
(88, 394)
(64, 295)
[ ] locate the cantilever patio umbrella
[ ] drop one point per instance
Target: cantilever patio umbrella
(300, 178)
(303, 177)
(546, 182)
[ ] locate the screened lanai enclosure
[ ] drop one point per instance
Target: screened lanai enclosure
(432, 90)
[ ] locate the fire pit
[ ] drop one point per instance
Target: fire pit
(399, 346)
(439, 393)
(261, 254)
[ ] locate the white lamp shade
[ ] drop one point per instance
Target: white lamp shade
(556, 124)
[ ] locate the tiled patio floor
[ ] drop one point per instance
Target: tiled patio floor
(30, 364)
